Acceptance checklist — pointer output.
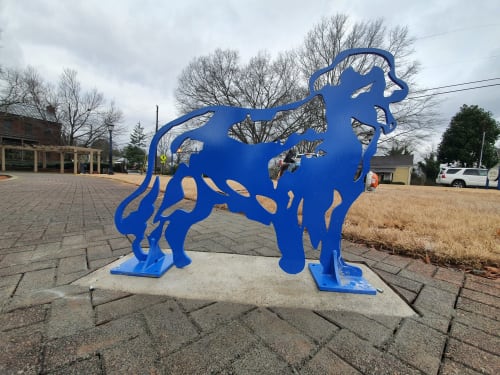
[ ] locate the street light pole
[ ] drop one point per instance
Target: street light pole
(110, 129)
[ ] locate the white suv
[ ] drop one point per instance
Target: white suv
(463, 177)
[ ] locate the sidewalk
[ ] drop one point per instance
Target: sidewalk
(55, 229)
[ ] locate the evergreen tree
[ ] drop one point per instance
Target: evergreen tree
(430, 168)
(134, 151)
(462, 142)
(138, 138)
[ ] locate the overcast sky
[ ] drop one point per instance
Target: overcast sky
(134, 51)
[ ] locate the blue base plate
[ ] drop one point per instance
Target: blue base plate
(348, 284)
(133, 267)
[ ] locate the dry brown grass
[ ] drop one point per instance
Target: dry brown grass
(447, 225)
(444, 225)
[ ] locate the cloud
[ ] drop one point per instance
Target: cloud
(134, 51)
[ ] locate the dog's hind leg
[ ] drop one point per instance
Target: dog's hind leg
(180, 221)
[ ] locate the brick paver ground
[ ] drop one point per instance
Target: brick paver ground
(56, 228)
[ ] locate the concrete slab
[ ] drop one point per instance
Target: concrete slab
(253, 280)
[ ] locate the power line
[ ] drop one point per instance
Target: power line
(456, 30)
(456, 84)
(452, 91)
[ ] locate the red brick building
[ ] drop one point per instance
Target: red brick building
(23, 124)
(29, 137)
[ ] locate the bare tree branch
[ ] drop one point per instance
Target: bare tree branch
(84, 115)
(416, 118)
(221, 79)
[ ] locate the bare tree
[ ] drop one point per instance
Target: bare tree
(26, 87)
(209, 80)
(416, 118)
(38, 92)
(84, 115)
(220, 79)
(11, 87)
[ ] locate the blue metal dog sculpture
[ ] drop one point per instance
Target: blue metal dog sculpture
(342, 168)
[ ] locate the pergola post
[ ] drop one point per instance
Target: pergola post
(91, 162)
(35, 161)
(44, 159)
(3, 159)
(61, 162)
(75, 162)
(99, 162)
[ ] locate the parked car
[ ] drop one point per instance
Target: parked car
(464, 177)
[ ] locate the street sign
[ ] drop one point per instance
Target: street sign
(163, 159)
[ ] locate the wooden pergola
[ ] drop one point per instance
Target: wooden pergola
(62, 150)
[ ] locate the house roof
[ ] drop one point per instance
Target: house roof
(30, 111)
(392, 161)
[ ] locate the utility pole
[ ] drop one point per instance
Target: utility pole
(481, 154)
(156, 155)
